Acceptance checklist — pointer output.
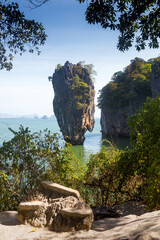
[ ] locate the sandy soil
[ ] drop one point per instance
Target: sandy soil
(131, 226)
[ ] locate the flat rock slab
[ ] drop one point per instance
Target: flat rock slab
(72, 219)
(73, 212)
(55, 187)
(26, 206)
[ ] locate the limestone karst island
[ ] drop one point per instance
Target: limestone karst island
(126, 93)
(74, 101)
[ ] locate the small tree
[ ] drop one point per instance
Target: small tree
(101, 178)
(144, 157)
(27, 159)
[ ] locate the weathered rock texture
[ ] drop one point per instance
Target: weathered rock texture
(73, 102)
(57, 207)
(114, 122)
(155, 79)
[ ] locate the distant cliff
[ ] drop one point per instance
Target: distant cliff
(127, 91)
(74, 101)
(155, 78)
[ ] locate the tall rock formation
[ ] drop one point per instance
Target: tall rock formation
(155, 79)
(126, 92)
(115, 123)
(73, 101)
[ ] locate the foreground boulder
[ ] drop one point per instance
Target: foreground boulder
(73, 101)
(57, 207)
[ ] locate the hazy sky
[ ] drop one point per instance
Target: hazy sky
(26, 89)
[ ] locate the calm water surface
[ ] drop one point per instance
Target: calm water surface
(92, 142)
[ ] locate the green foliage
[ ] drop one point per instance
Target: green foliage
(27, 159)
(50, 79)
(133, 83)
(144, 158)
(83, 89)
(105, 179)
(114, 176)
(135, 20)
(17, 34)
(58, 67)
(111, 176)
(89, 67)
(101, 178)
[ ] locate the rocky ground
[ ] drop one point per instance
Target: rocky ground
(136, 223)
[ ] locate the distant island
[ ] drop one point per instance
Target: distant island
(35, 116)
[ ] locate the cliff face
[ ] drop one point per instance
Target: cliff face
(155, 79)
(126, 92)
(73, 101)
(116, 123)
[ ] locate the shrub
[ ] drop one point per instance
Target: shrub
(143, 160)
(27, 159)
(101, 178)
(131, 84)
(145, 135)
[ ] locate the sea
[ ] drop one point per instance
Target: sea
(92, 143)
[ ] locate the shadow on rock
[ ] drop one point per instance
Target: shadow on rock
(9, 218)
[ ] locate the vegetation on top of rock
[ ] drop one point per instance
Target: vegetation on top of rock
(73, 102)
(58, 67)
(133, 83)
(89, 67)
(81, 91)
(80, 87)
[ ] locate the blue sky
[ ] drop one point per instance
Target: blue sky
(26, 90)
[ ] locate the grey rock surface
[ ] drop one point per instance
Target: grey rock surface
(116, 123)
(73, 219)
(74, 111)
(155, 79)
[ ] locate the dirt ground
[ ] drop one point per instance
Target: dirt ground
(136, 223)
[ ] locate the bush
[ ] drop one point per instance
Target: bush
(101, 179)
(143, 160)
(114, 176)
(130, 85)
(27, 159)
(110, 176)
(145, 135)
